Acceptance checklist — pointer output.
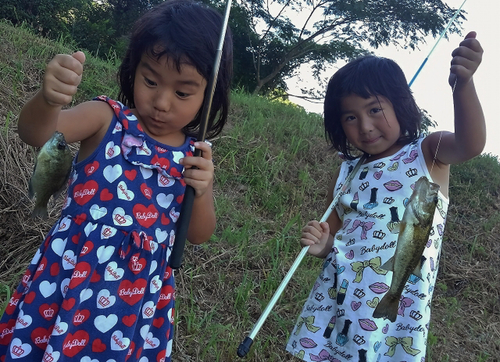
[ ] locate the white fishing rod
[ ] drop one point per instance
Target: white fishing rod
(245, 345)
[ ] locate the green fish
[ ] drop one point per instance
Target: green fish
(52, 169)
(414, 233)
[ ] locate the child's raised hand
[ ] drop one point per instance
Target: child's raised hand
(466, 60)
(316, 235)
(62, 77)
(199, 171)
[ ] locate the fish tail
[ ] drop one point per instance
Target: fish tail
(40, 211)
(387, 307)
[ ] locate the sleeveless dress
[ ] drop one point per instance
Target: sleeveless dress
(100, 286)
(336, 323)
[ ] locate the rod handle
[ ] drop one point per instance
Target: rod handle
(245, 347)
(182, 228)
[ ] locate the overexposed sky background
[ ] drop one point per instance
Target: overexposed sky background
(431, 89)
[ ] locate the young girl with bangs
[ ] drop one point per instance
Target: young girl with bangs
(100, 287)
(369, 109)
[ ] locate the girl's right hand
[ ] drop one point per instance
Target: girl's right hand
(317, 236)
(62, 77)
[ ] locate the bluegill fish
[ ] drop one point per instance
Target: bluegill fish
(414, 233)
(52, 168)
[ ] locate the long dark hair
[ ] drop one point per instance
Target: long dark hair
(186, 32)
(370, 76)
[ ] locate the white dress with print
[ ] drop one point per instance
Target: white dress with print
(336, 323)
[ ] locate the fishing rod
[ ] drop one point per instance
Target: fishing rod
(187, 205)
(437, 42)
(245, 345)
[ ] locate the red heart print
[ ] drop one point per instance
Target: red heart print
(130, 292)
(83, 193)
(146, 191)
(79, 219)
(54, 269)
(166, 295)
(174, 172)
(160, 161)
(162, 354)
(81, 316)
(164, 219)
(168, 273)
(74, 343)
(145, 216)
(41, 268)
(40, 336)
(95, 277)
(48, 311)
(130, 350)
(14, 299)
(91, 168)
(76, 238)
(7, 331)
(179, 199)
(67, 304)
(139, 352)
(158, 322)
(81, 272)
(129, 320)
(136, 264)
(130, 174)
(98, 346)
(30, 297)
(106, 195)
(87, 248)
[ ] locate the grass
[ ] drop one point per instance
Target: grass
(272, 167)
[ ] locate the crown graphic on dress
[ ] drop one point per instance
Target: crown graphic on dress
(78, 318)
(388, 200)
(379, 234)
(17, 351)
(136, 267)
(48, 313)
(47, 357)
(359, 293)
(411, 172)
(358, 339)
(415, 314)
(364, 185)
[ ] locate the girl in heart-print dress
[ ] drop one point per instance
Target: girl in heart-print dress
(100, 287)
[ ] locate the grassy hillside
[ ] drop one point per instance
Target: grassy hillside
(272, 167)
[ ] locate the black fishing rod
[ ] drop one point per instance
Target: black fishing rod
(187, 205)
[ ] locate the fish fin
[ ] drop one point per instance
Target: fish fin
(31, 191)
(418, 269)
(389, 264)
(387, 307)
(40, 211)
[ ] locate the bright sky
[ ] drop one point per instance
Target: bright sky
(431, 89)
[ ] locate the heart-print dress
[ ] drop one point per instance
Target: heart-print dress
(100, 288)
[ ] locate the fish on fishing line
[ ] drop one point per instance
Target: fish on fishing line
(415, 228)
(51, 171)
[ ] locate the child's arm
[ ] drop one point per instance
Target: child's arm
(319, 236)
(202, 223)
(43, 114)
(469, 137)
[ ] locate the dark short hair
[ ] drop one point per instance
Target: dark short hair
(187, 32)
(370, 76)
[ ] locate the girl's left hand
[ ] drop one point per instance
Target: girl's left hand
(199, 171)
(466, 60)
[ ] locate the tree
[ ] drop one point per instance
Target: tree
(331, 30)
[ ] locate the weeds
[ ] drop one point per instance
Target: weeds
(272, 171)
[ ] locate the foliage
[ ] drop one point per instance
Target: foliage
(332, 30)
(272, 167)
